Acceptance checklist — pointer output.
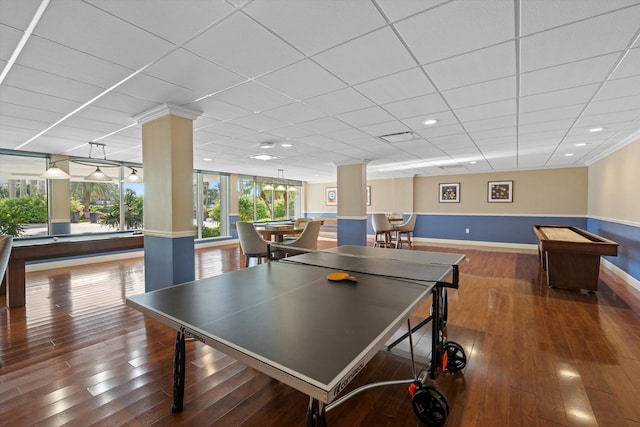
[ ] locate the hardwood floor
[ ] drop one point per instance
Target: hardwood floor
(76, 355)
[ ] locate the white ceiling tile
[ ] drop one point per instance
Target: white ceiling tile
(49, 84)
(308, 31)
(290, 132)
(630, 65)
(367, 116)
(487, 64)
(93, 31)
(558, 98)
(160, 17)
(294, 113)
(405, 84)
(155, 90)
(368, 57)
(70, 63)
(325, 125)
(18, 14)
(444, 118)
(550, 114)
(543, 15)
(614, 105)
(187, 70)
(302, 80)
(482, 93)
(619, 88)
(457, 27)
(425, 105)
(486, 111)
(340, 101)
(241, 45)
(258, 122)
(569, 75)
(502, 122)
(126, 104)
(9, 39)
(253, 97)
(26, 97)
(386, 128)
(597, 36)
(396, 10)
(218, 109)
(441, 130)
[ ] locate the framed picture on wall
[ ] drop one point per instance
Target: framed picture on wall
(368, 195)
(500, 192)
(449, 193)
(331, 196)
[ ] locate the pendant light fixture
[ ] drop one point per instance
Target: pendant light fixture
(98, 175)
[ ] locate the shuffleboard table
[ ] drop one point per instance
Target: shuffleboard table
(570, 256)
(48, 247)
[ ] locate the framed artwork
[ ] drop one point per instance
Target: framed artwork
(331, 196)
(368, 195)
(500, 192)
(449, 193)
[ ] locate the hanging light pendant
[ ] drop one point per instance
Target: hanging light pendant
(55, 173)
(98, 175)
(133, 177)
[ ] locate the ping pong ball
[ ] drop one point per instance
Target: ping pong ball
(55, 239)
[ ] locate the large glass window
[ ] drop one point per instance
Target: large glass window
(210, 205)
(268, 199)
(23, 196)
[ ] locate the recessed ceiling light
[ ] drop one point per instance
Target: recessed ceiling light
(286, 145)
(430, 122)
(581, 144)
(265, 145)
(473, 162)
(263, 157)
(596, 130)
(568, 155)
(207, 159)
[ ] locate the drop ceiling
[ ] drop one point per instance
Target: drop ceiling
(512, 84)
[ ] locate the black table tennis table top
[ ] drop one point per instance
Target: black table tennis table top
(287, 320)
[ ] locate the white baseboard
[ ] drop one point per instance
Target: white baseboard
(627, 278)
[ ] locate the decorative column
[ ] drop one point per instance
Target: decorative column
(167, 153)
(352, 204)
(59, 199)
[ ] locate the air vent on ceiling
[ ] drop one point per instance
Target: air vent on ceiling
(397, 137)
(453, 168)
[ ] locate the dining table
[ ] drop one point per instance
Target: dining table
(277, 232)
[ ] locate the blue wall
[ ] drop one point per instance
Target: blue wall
(627, 236)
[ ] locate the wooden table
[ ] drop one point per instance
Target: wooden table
(277, 232)
(40, 248)
(570, 256)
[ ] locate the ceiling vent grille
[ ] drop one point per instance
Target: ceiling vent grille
(397, 137)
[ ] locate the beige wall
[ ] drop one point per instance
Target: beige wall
(537, 192)
(614, 186)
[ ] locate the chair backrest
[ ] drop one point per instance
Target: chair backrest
(380, 222)
(6, 241)
(250, 240)
(302, 222)
(409, 224)
(308, 238)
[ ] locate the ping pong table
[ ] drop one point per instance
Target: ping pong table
(285, 319)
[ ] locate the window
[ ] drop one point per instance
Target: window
(210, 213)
(268, 199)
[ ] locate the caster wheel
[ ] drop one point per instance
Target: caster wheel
(456, 359)
(430, 406)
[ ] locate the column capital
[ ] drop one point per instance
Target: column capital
(165, 110)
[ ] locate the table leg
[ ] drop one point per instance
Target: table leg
(179, 367)
(316, 414)
(16, 294)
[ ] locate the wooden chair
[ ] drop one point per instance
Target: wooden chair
(405, 228)
(307, 241)
(252, 245)
(383, 230)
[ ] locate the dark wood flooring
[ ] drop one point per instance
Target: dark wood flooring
(77, 355)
